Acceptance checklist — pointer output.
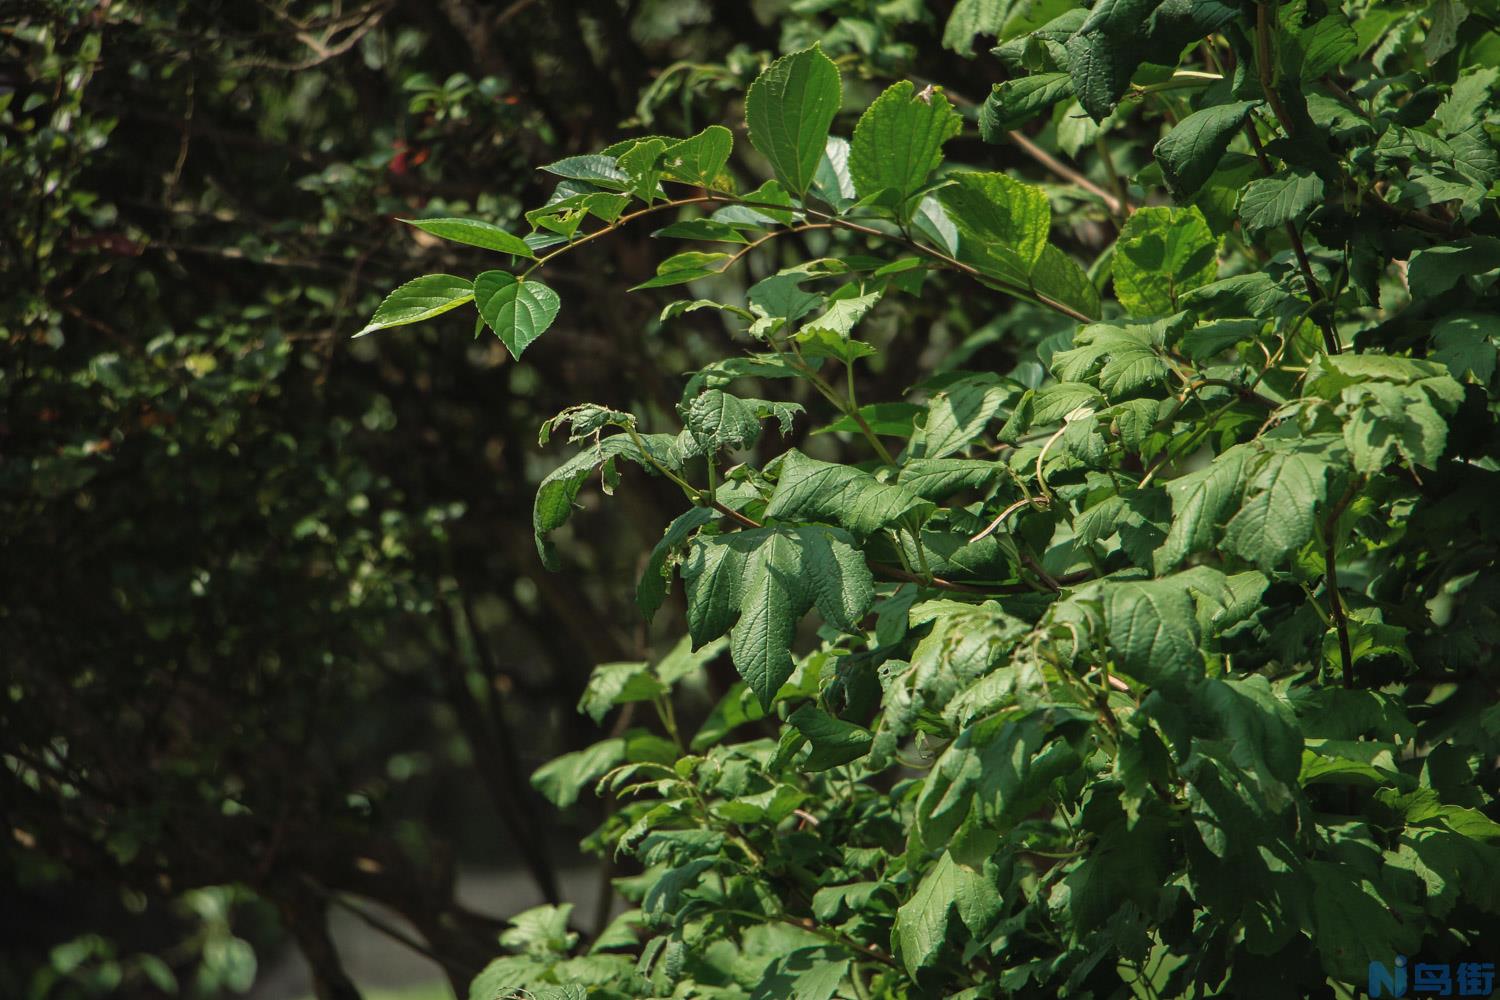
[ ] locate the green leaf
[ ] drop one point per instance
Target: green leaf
(789, 109)
(1201, 503)
(1058, 277)
(1475, 89)
(682, 268)
(1162, 254)
(758, 584)
(937, 479)
(1104, 52)
(971, 18)
(1189, 153)
(702, 229)
(701, 159)
(994, 774)
(1013, 103)
(419, 299)
(959, 413)
(885, 419)
(1465, 344)
(1353, 924)
(642, 164)
(518, 311)
(561, 780)
(899, 140)
(1382, 421)
(809, 490)
(554, 496)
(541, 931)
(595, 168)
(833, 741)
(474, 234)
(922, 922)
(1153, 629)
(1278, 516)
(1436, 269)
(1272, 201)
(718, 420)
(613, 684)
(1003, 223)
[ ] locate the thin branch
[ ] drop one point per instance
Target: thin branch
(1117, 204)
(1331, 575)
(1314, 290)
(619, 223)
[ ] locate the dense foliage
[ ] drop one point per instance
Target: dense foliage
(1153, 656)
(259, 667)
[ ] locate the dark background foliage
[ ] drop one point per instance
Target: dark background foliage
(270, 610)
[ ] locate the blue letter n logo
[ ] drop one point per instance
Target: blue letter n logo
(1388, 982)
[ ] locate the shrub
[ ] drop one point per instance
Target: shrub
(1159, 663)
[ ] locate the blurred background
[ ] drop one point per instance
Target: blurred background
(279, 656)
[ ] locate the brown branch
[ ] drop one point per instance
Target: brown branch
(1117, 205)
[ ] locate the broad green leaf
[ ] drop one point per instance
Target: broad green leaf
(807, 489)
(1353, 924)
(718, 420)
(1052, 403)
(702, 229)
(1465, 343)
(885, 419)
(1153, 630)
(1117, 36)
(595, 168)
(959, 413)
(419, 299)
(1307, 53)
(1383, 421)
(1013, 103)
(922, 922)
(500, 976)
(1282, 497)
(1002, 222)
(833, 741)
(654, 582)
(937, 479)
(1260, 730)
(701, 159)
(1201, 503)
(474, 234)
(642, 164)
(518, 311)
(1475, 89)
(757, 584)
(1436, 269)
(554, 497)
(1162, 254)
(1272, 201)
(1104, 52)
(613, 684)
(684, 267)
(846, 308)
(561, 780)
(1058, 277)
(832, 182)
(994, 774)
(789, 109)
(1257, 294)
(542, 930)
(971, 18)
(1189, 153)
(899, 140)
